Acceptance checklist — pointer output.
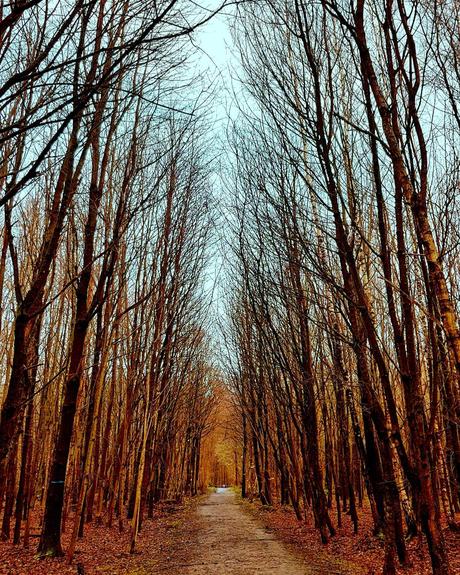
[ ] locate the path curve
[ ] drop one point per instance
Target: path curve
(229, 542)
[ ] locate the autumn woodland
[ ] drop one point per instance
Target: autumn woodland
(269, 301)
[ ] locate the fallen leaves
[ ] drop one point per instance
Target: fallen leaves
(360, 554)
(105, 550)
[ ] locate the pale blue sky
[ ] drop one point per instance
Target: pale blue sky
(216, 59)
(212, 39)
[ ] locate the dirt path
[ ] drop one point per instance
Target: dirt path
(226, 541)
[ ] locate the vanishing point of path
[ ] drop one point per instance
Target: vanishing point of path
(229, 542)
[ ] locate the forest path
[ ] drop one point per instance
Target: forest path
(226, 541)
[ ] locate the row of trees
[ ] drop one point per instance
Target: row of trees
(344, 341)
(105, 365)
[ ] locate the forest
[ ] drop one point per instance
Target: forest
(269, 301)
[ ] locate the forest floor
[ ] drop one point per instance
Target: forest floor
(221, 535)
(105, 551)
(360, 554)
